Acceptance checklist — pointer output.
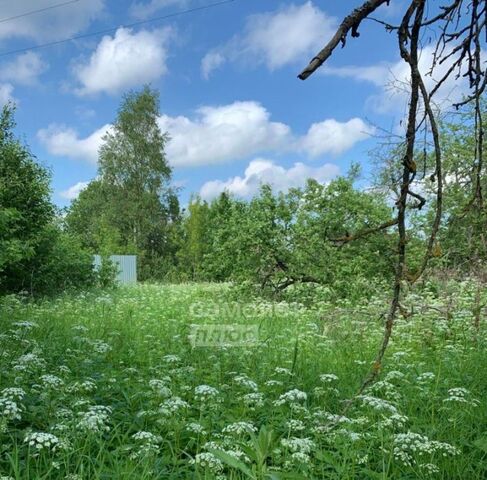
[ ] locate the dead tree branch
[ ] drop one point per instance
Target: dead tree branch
(351, 22)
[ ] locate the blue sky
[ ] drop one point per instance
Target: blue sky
(230, 98)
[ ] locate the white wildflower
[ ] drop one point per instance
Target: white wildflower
(13, 393)
(209, 461)
(292, 397)
(95, 420)
(295, 444)
(172, 405)
(240, 428)
(9, 409)
(253, 400)
(195, 428)
(43, 441)
(204, 392)
(246, 382)
(51, 381)
(328, 378)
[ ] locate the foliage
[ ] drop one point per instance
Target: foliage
(35, 255)
(130, 208)
(462, 236)
(284, 239)
(461, 246)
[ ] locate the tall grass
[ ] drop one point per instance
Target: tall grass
(108, 386)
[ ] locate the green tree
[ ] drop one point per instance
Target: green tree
(131, 207)
(462, 237)
(35, 255)
(25, 207)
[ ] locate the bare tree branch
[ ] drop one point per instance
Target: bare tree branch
(351, 22)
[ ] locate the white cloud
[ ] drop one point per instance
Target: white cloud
(224, 133)
(230, 132)
(393, 79)
(72, 192)
(62, 141)
(331, 136)
(143, 10)
(52, 24)
(6, 90)
(211, 61)
(260, 171)
(24, 69)
(126, 60)
(282, 37)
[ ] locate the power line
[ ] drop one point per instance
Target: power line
(113, 29)
(32, 12)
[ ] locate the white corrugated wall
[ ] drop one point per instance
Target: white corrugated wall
(127, 267)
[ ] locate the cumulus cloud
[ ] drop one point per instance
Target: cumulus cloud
(25, 69)
(261, 171)
(63, 141)
(393, 80)
(276, 38)
(52, 24)
(331, 136)
(72, 192)
(125, 60)
(235, 131)
(222, 134)
(6, 90)
(143, 10)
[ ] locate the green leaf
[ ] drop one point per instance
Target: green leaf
(233, 462)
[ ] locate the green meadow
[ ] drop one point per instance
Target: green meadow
(111, 385)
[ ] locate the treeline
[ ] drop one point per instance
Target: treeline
(335, 236)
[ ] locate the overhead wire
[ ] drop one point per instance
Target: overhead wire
(113, 29)
(39, 10)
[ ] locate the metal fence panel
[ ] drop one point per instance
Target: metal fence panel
(126, 264)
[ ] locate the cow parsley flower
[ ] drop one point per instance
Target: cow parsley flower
(171, 358)
(86, 386)
(204, 392)
(426, 377)
(209, 461)
(100, 347)
(460, 395)
(295, 444)
(283, 371)
(378, 404)
(240, 428)
(160, 387)
(328, 378)
(29, 361)
(10, 409)
(253, 400)
(195, 428)
(300, 457)
(291, 397)
(407, 445)
(95, 420)
(43, 441)
(172, 405)
(13, 393)
(51, 381)
(246, 382)
(295, 425)
(146, 437)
